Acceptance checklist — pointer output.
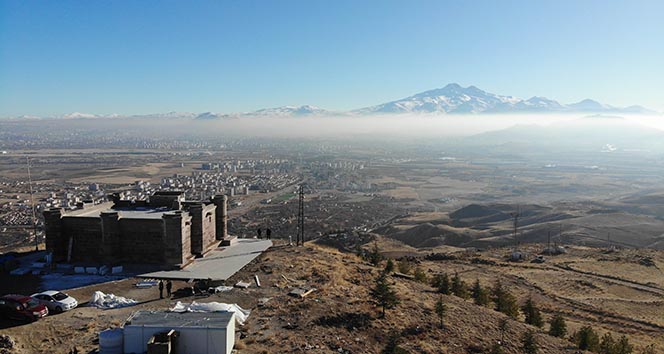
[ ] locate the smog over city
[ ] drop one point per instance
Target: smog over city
(333, 177)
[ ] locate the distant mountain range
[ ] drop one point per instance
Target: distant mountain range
(451, 99)
(455, 99)
(284, 111)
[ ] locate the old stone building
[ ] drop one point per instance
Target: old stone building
(165, 230)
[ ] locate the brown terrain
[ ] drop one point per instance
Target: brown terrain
(460, 211)
(619, 291)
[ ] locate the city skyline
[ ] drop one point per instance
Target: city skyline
(149, 57)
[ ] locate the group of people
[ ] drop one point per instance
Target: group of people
(169, 288)
(268, 233)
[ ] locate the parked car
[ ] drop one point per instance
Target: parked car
(56, 301)
(21, 307)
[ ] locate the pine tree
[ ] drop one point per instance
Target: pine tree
(607, 344)
(435, 281)
(558, 327)
(508, 305)
(374, 256)
(532, 314)
(419, 274)
(497, 291)
(459, 288)
(440, 310)
(586, 339)
(444, 285)
(383, 293)
(529, 342)
(479, 294)
(623, 346)
(505, 302)
(404, 266)
(389, 267)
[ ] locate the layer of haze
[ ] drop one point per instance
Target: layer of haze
(404, 125)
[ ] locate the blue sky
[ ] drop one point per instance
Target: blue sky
(136, 57)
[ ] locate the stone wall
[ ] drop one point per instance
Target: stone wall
(221, 228)
(209, 225)
(112, 238)
(177, 237)
(196, 212)
(54, 237)
(86, 235)
(142, 241)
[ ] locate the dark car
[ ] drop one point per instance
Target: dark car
(21, 307)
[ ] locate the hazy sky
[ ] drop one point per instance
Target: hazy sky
(135, 57)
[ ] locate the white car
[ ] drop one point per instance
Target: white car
(56, 301)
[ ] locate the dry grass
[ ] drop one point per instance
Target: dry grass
(340, 314)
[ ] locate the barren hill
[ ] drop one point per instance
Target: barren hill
(487, 225)
(339, 316)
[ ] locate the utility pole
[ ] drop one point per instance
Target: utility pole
(560, 233)
(32, 203)
(300, 218)
(515, 216)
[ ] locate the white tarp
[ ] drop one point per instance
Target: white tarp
(221, 289)
(240, 313)
(110, 301)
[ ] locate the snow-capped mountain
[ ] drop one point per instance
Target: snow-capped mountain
(283, 111)
(304, 110)
(167, 115)
(539, 104)
(455, 99)
(210, 115)
(450, 99)
(79, 115)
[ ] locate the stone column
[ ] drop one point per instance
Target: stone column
(221, 216)
(196, 212)
(176, 237)
(55, 240)
(110, 235)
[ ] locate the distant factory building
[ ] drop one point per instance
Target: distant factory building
(164, 230)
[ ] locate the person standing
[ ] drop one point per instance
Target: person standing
(259, 232)
(161, 289)
(169, 287)
(268, 233)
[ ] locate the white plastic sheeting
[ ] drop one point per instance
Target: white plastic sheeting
(110, 301)
(221, 289)
(240, 313)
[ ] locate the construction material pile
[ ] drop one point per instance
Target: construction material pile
(110, 301)
(240, 313)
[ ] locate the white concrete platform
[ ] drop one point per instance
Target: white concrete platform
(218, 264)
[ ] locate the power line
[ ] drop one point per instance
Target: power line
(32, 203)
(300, 218)
(515, 215)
